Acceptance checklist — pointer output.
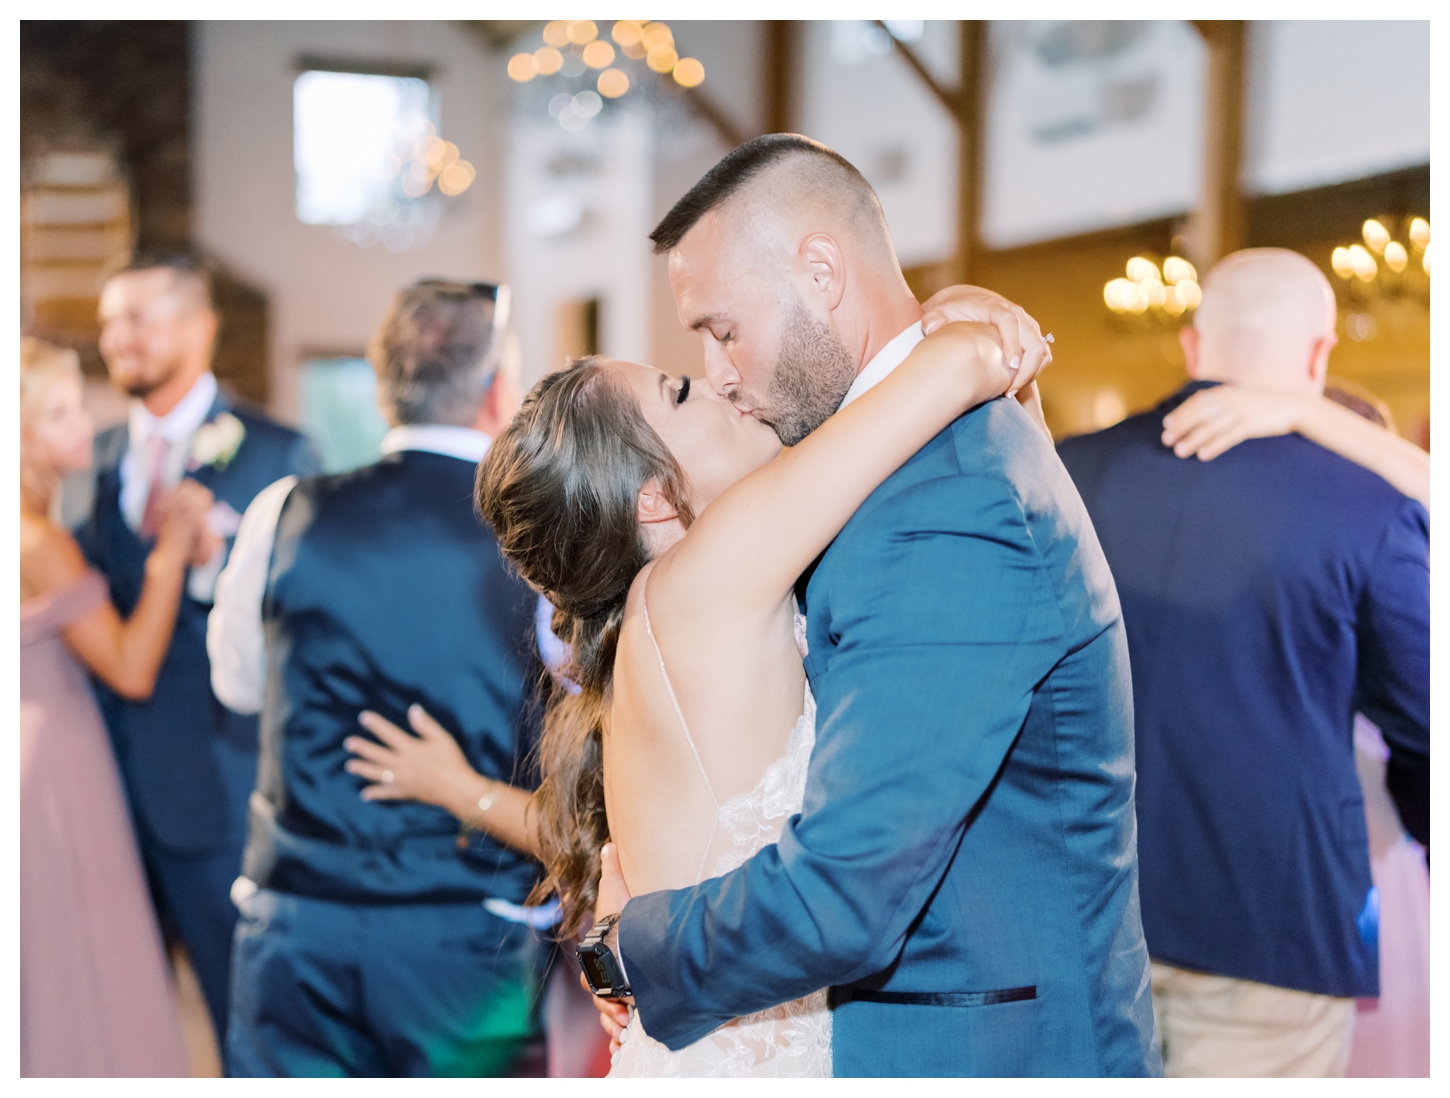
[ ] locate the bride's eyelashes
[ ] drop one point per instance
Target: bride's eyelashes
(684, 390)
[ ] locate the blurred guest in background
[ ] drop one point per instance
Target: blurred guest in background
(188, 764)
(1392, 1030)
(1268, 594)
(94, 999)
(383, 937)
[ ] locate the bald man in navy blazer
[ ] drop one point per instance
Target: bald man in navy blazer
(1269, 594)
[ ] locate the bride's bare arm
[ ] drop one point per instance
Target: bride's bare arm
(1215, 420)
(752, 543)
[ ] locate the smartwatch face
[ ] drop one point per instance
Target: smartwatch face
(600, 969)
(595, 970)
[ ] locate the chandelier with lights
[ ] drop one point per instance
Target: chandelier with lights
(1159, 293)
(590, 71)
(1382, 272)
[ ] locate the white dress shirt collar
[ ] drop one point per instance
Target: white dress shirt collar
(886, 360)
(435, 438)
(182, 421)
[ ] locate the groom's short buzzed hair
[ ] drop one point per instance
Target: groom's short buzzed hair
(825, 170)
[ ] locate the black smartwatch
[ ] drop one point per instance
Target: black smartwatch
(601, 967)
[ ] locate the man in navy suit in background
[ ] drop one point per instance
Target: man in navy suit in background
(188, 763)
(380, 935)
(1269, 595)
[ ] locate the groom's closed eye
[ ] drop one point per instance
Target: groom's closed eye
(684, 390)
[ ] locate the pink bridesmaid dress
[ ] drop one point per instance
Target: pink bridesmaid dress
(95, 1000)
(1392, 1033)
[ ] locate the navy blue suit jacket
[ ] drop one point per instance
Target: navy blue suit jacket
(384, 591)
(964, 871)
(187, 760)
(1268, 594)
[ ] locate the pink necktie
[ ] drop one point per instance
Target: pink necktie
(156, 447)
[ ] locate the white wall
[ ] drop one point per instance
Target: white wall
(607, 168)
(327, 294)
(877, 113)
(1329, 100)
(1089, 125)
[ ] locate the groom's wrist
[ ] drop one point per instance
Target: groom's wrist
(612, 941)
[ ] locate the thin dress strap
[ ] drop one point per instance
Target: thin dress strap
(644, 606)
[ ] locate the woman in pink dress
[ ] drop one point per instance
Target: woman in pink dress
(94, 994)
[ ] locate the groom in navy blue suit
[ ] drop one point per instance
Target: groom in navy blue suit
(963, 875)
(188, 763)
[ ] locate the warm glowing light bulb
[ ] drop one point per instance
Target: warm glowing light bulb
(582, 31)
(549, 60)
(657, 34)
(613, 83)
(523, 67)
(1140, 268)
(662, 58)
(556, 33)
(1419, 232)
(1119, 294)
(1153, 291)
(1189, 292)
(1365, 268)
(1176, 269)
(599, 54)
(1375, 235)
(1342, 264)
(689, 73)
(1396, 258)
(1173, 304)
(457, 178)
(627, 32)
(1108, 408)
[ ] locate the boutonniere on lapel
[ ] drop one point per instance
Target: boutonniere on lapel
(216, 442)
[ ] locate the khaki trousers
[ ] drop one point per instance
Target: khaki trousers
(1216, 1026)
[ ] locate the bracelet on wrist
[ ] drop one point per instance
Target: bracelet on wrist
(471, 823)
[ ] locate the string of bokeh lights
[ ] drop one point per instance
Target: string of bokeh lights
(574, 47)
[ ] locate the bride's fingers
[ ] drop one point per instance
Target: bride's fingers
(382, 793)
(383, 728)
(423, 723)
(374, 752)
(373, 772)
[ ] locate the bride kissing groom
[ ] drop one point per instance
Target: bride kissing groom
(853, 720)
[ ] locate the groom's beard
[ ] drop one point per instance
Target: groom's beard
(812, 376)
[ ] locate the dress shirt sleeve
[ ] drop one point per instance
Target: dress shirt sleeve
(1393, 687)
(234, 637)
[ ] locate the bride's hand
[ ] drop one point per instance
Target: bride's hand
(1213, 421)
(1023, 346)
(428, 767)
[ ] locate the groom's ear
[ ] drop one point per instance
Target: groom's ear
(653, 505)
(825, 267)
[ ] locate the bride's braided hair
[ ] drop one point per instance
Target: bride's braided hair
(560, 488)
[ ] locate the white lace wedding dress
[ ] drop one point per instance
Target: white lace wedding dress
(792, 1040)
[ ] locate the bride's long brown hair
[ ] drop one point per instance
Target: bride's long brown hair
(560, 487)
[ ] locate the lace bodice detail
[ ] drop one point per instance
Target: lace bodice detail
(789, 1040)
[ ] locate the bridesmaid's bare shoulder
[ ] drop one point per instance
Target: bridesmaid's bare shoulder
(50, 559)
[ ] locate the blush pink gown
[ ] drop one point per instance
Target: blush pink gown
(94, 995)
(1392, 1033)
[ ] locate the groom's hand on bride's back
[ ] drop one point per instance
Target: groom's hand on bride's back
(1023, 346)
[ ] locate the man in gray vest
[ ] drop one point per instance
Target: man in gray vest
(378, 936)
